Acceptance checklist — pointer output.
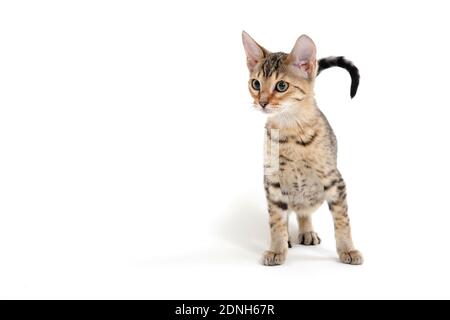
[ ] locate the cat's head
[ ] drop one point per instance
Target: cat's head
(279, 80)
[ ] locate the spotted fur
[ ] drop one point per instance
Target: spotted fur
(303, 174)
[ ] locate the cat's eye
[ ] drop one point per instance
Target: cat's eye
(281, 86)
(256, 85)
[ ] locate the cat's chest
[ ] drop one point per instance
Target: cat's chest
(295, 145)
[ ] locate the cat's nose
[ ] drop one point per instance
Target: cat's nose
(263, 103)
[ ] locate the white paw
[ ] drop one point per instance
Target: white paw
(271, 258)
(309, 238)
(351, 257)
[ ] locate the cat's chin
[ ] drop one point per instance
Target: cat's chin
(281, 111)
(270, 111)
(273, 111)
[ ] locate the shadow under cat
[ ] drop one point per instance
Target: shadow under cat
(246, 227)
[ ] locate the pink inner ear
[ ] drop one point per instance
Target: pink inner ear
(304, 55)
(251, 63)
(305, 66)
(253, 51)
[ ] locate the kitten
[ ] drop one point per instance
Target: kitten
(300, 146)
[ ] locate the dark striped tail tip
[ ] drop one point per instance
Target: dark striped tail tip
(341, 62)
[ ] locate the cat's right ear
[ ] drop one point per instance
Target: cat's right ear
(255, 53)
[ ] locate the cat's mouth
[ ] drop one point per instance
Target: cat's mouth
(270, 109)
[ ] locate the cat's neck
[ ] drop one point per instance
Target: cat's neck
(303, 113)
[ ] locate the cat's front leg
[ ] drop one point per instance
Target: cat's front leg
(337, 202)
(278, 222)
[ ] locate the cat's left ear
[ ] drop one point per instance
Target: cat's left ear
(255, 53)
(303, 56)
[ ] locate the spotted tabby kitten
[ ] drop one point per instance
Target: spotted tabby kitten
(304, 173)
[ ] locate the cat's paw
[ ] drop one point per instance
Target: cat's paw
(351, 257)
(309, 238)
(271, 258)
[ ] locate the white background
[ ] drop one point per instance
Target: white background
(131, 160)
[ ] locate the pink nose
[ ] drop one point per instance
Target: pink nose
(263, 103)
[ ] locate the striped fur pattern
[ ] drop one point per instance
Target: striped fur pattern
(305, 172)
(273, 63)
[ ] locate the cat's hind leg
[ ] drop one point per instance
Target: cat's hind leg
(307, 197)
(307, 236)
(289, 238)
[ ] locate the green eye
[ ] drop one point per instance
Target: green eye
(281, 86)
(256, 85)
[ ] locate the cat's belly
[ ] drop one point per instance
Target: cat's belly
(302, 186)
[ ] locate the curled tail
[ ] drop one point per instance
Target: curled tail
(341, 62)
